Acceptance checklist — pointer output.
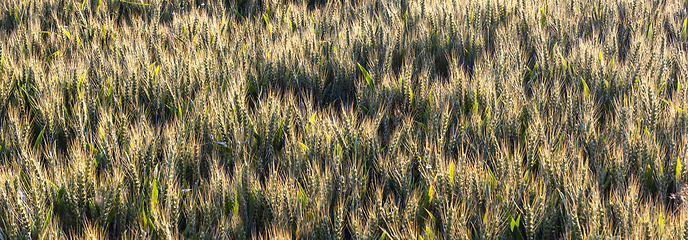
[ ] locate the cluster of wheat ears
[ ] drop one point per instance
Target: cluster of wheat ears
(343, 119)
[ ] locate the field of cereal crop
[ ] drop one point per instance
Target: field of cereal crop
(343, 119)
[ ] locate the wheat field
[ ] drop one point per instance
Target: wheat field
(343, 119)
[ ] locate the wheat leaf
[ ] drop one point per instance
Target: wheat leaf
(678, 168)
(135, 3)
(367, 76)
(39, 140)
(585, 88)
(451, 171)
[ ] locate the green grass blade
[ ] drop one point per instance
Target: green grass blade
(39, 140)
(367, 76)
(154, 195)
(585, 88)
(135, 3)
(451, 171)
(44, 32)
(679, 168)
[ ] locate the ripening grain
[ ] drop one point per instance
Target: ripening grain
(343, 119)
